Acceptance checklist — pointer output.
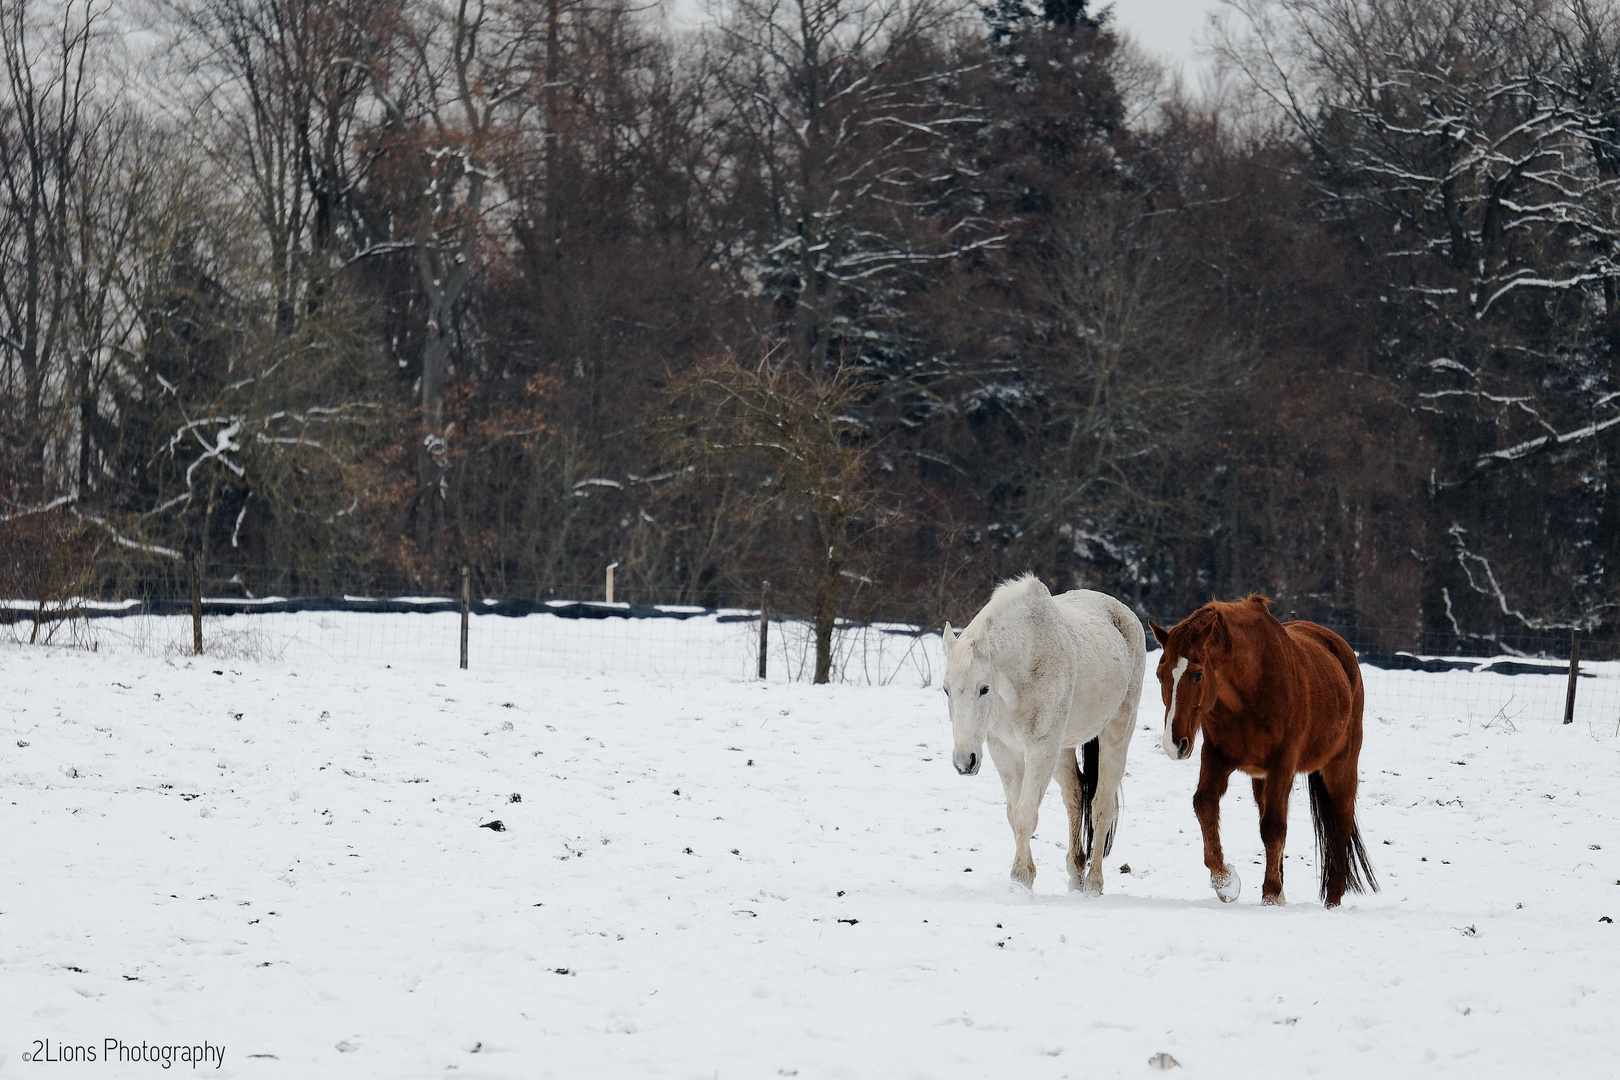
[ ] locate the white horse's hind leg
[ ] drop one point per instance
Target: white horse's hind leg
(1113, 744)
(1068, 778)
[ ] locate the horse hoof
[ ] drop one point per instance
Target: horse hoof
(1085, 887)
(1227, 884)
(1273, 901)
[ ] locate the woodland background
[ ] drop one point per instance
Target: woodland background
(878, 300)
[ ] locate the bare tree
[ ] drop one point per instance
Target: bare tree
(791, 435)
(838, 131)
(454, 91)
(1472, 146)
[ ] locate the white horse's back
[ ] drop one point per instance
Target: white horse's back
(1112, 658)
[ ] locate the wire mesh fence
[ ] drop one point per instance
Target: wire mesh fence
(589, 636)
(1510, 682)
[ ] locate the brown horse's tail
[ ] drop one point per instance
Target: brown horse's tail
(1352, 857)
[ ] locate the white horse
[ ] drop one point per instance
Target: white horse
(1038, 676)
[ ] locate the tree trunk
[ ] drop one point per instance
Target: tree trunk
(824, 612)
(430, 506)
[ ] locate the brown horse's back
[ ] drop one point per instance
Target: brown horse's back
(1301, 631)
(1335, 690)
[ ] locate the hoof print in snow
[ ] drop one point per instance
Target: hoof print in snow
(1605, 918)
(967, 870)
(677, 791)
(1124, 867)
(1468, 931)
(1162, 1060)
(22, 742)
(851, 922)
(563, 971)
(494, 826)
(516, 797)
(346, 1047)
(689, 851)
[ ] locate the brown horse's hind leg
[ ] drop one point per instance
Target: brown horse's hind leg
(1214, 770)
(1271, 795)
(1338, 841)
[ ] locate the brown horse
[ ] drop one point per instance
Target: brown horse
(1272, 699)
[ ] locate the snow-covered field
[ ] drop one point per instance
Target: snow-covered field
(712, 877)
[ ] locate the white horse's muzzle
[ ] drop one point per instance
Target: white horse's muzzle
(967, 762)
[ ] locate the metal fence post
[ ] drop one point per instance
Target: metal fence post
(1574, 673)
(196, 604)
(764, 624)
(466, 605)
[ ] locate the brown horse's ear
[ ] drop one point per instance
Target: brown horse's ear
(1159, 632)
(1263, 601)
(1220, 636)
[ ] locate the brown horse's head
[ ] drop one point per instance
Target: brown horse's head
(1191, 668)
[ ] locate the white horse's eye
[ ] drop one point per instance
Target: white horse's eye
(983, 690)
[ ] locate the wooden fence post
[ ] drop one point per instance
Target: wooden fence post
(611, 565)
(764, 624)
(1574, 673)
(466, 605)
(196, 604)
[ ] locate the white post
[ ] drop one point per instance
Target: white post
(611, 565)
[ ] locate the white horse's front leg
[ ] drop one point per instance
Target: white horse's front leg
(1009, 763)
(1039, 762)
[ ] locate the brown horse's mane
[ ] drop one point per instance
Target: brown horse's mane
(1216, 618)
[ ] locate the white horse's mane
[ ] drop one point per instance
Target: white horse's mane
(1007, 597)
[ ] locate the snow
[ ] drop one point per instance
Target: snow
(281, 855)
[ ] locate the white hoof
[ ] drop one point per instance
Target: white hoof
(1227, 884)
(1278, 901)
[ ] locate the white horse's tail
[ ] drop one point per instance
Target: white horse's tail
(1090, 757)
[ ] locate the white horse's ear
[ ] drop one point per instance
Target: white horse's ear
(1005, 690)
(950, 638)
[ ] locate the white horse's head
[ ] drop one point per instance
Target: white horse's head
(976, 692)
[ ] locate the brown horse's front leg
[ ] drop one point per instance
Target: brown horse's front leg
(1271, 795)
(1213, 772)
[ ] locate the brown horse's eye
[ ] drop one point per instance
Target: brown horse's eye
(1198, 676)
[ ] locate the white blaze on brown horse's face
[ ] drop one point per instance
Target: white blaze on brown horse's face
(1182, 686)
